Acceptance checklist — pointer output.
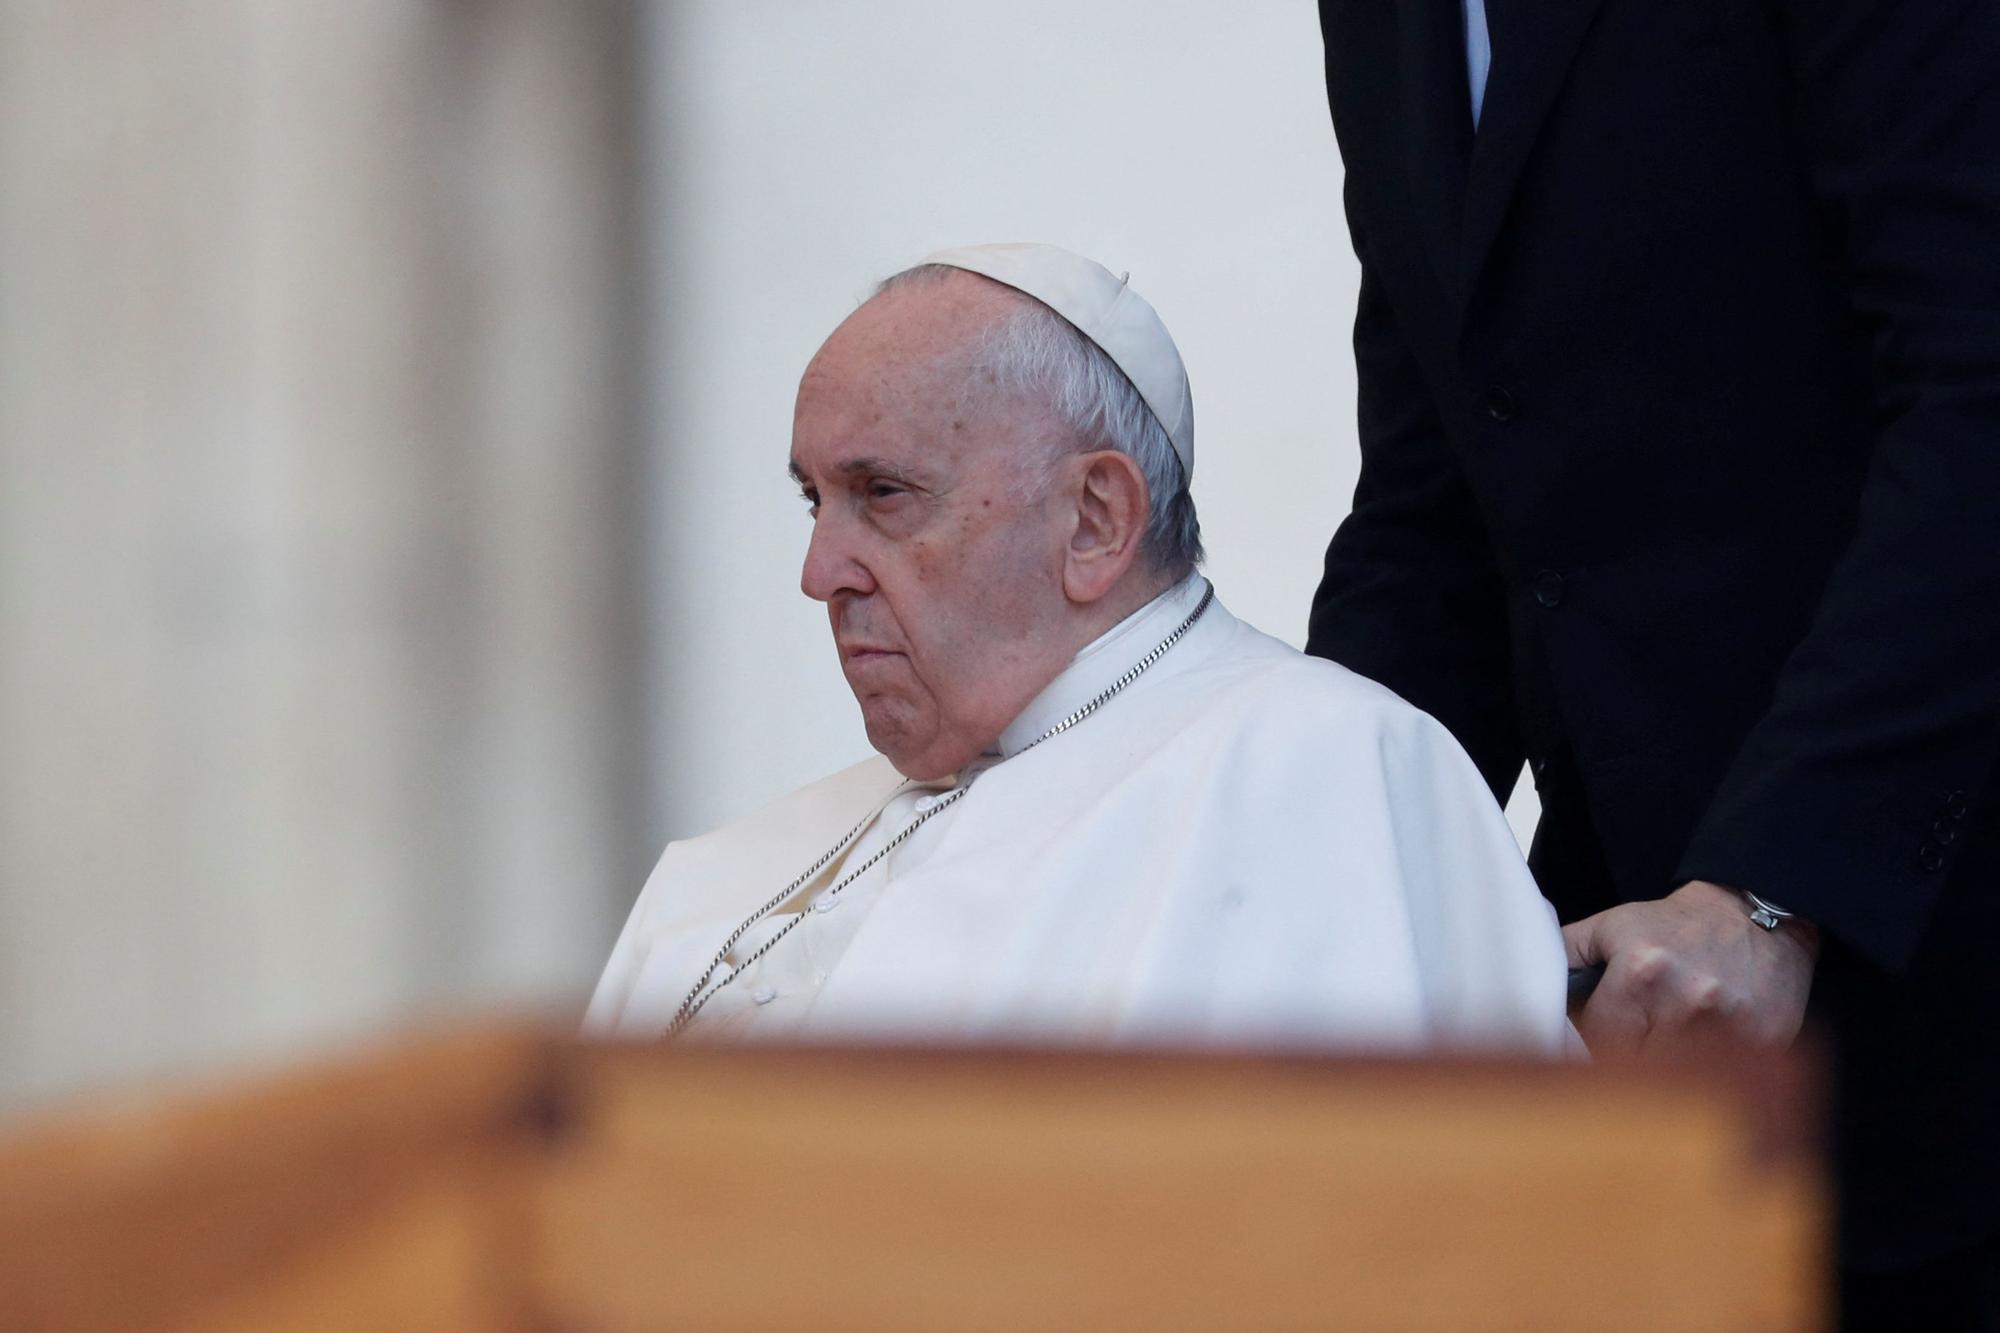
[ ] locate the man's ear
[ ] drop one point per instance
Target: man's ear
(1111, 506)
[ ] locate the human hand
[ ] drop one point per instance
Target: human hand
(1691, 970)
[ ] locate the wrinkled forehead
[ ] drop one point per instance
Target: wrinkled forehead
(939, 327)
(913, 363)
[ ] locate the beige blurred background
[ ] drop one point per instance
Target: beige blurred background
(394, 543)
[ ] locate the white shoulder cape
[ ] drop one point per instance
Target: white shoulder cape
(1248, 846)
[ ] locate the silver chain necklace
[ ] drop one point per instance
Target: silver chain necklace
(703, 991)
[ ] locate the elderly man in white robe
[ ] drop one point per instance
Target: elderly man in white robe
(1104, 810)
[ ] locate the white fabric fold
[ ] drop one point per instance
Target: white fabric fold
(1247, 846)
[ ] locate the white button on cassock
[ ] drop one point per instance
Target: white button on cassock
(763, 995)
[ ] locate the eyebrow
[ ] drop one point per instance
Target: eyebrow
(851, 467)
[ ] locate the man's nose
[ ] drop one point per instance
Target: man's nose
(832, 567)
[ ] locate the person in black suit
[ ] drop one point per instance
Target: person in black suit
(1679, 400)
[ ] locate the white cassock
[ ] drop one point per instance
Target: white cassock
(1246, 846)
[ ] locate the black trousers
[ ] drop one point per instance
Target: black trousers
(1956, 1294)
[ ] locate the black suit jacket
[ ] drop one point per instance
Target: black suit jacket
(1680, 427)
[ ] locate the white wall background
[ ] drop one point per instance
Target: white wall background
(810, 148)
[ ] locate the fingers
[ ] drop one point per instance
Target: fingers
(1582, 943)
(1654, 1002)
(1612, 1021)
(1615, 1021)
(1692, 1011)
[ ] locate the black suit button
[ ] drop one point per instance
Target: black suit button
(1943, 832)
(1549, 589)
(1954, 805)
(1931, 857)
(1501, 405)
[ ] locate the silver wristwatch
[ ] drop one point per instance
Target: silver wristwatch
(1765, 912)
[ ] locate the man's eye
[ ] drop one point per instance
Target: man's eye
(883, 490)
(811, 497)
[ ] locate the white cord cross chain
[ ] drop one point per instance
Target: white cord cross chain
(703, 991)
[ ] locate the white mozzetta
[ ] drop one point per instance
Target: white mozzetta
(1246, 846)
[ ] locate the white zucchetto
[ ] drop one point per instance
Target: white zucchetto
(1104, 309)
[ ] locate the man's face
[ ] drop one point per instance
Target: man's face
(936, 552)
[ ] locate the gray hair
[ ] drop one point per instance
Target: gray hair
(1035, 350)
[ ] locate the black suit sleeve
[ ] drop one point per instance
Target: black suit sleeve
(1411, 596)
(1846, 801)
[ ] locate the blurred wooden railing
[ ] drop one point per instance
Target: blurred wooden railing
(510, 1182)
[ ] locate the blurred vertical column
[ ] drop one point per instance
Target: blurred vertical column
(319, 625)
